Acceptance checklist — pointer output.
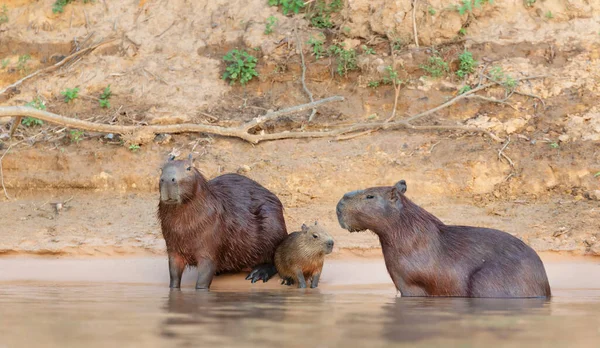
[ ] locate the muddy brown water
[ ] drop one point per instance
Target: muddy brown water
(126, 302)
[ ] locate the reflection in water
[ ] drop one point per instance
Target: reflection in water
(106, 315)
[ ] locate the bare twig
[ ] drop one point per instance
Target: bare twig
(1, 172)
(491, 100)
(57, 65)
(501, 154)
(165, 31)
(414, 20)
(308, 92)
(532, 96)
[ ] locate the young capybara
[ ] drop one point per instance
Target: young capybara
(425, 257)
(300, 256)
(226, 224)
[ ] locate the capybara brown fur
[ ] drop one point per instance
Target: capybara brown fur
(299, 258)
(226, 224)
(425, 257)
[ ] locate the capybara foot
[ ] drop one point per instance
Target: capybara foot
(264, 272)
(287, 281)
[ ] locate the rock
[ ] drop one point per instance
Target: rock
(244, 169)
(563, 138)
(446, 86)
(514, 125)
(163, 138)
(593, 195)
(530, 129)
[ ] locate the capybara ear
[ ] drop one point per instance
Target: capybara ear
(304, 228)
(400, 186)
(190, 161)
(315, 223)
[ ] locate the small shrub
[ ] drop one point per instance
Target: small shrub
(468, 5)
(466, 64)
(5, 63)
(22, 63)
(431, 11)
(37, 103)
(373, 84)
(4, 15)
(70, 94)
(320, 13)
(462, 32)
(317, 46)
(241, 67)
(392, 77)
(59, 5)
(498, 75)
(288, 6)
(529, 3)
(367, 50)
(270, 24)
(549, 15)
(106, 94)
(436, 67)
(464, 89)
(397, 44)
(76, 135)
(597, 175)
(554, 145)
(134, 147)
(345, 59)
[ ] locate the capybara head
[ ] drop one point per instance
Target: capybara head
(372, 208)
(178, 181)
(316, 239)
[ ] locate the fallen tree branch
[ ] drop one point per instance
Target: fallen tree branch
(414, 20)
(308, 92)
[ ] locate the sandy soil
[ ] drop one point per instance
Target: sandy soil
(165, 67)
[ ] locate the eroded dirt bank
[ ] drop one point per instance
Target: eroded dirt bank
(165, 66)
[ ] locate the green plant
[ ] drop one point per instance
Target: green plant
(76, 135)
(462, 32)
(320, 12)
(31, 122)
(59, 5)
(36, 103)
(22, 63)
(317, 46)
(134, 147)
(529, 3)
(106, 94)
(554, 145)
(466, 64)
(397, 44)
(70, 94)
(367, 50)
(271, 21)
(468, 5)
(345, 59)
(464, 89)
(597, 175)
(431, 11)
(373, 84)
(392, 77)
(435, 67)
(549, 15)
(498, 75)
(288, 6)
(5, 63)
(241, 67)
(4, 15)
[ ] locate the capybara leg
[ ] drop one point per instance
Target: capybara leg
(176, 266)
(301, 280)
(206, 272)
(264, 272)
(315, 280)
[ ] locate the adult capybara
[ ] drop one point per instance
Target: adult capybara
(299, 258)
(226, 224)
(425, 257)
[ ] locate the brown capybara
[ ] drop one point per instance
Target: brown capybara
(300, 256)
(226, 224)
(425, 257)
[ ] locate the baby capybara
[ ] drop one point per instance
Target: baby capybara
(226, 224)
(299, 258)
(425, 257)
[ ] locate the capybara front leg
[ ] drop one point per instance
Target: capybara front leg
(206, 272)
(301, 280)
(315, 280)
(264, 272)
(176, 266)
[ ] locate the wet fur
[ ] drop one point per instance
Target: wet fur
(425, 257)
(230, 220)
(300, 251)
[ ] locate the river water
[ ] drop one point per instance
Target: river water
(127, 303)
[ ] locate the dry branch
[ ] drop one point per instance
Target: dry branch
(308, 92)
(414, 20)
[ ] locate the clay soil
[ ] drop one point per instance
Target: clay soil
(165, 67)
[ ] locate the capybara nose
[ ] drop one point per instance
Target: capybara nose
(330, 243)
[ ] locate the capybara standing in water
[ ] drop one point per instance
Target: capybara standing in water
(299, 258)
(425, 257)
(226, 224)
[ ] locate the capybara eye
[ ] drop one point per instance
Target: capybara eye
(370, 197)
(173, 180)
(315, 236)
(189, 168)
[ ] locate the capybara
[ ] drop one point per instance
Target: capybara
(299, 258)
(425, 257)
(226, 224)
